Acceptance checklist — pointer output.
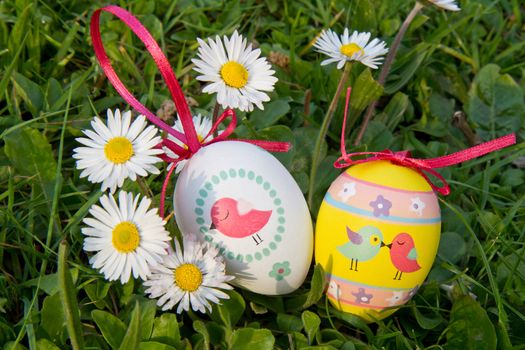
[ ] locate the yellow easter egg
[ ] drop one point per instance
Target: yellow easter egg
(377, 235)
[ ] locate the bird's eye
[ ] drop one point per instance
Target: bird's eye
(374, 240)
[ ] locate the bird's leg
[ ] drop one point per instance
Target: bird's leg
(351, 264)
(257, 239)
(356, 261)
(400, 274)
(395, 277)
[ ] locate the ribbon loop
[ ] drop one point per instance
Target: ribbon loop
(422, 166)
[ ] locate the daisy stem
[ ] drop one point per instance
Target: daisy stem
(216, 110)
(324, 130)
(386, 68)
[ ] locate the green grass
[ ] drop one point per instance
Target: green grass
(51, 86)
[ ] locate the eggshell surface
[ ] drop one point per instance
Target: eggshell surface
(242, 200)
(377, 235)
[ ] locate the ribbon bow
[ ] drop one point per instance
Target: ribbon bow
(189, 137)
(422, 166)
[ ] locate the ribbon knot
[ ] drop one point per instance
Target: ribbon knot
(424, 167)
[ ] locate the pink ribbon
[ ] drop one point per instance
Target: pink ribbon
(422, 166)
(189, 137)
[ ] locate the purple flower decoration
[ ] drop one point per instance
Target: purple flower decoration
(361, 297)
(381, 206)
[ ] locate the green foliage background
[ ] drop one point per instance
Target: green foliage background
(51, 86)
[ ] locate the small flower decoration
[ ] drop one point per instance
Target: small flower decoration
(347, 191)
(355, 47)
(334, 289)
(280, 270)
(446, 4)
(396, 298)
(381, 206)
(202, 125)
(361, 297)
(235, 72)
(126, 238)
(190, 275)
(417, 205)
(118, 150)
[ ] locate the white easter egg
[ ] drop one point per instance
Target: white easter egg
(243, 200)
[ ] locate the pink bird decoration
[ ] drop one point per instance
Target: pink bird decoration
(403, 254)
(237, 219)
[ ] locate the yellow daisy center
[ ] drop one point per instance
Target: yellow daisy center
(118, 150)
(350, 49)
(234, 74)
(188, 277)
(125, 237)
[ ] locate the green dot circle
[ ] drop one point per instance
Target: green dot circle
(249, 258)
(277, 201)
(203, 229)
(280, 211)
(199, 211)
(281, 220)
(273, 246)
(230, 255)
(239, 257)
(259, 179)
(207, 238)
(242, 172)
(200, 220)
(258, 256)
(223, 175)
(208, 186)
(266, 251)
(277, 238)
(233, 173)
(200, 202)
(266, 186)
(215, 179)
(203, 193)
(273, 193)
(280, 229)
(251, 175)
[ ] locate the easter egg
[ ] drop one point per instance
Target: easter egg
(377, 235)
(241, 199)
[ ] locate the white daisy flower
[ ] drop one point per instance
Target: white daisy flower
(118, 150)
(128, 239)
(190, 276)
(202, 125)
(236, 72)
(446, 4)
(350, 48)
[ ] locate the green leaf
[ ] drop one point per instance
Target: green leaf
(132, 337)
(166, 329)
(49, 283)
(364, 91)
(112, 328)
(52, 318)
(311, 324)
(252, 339)
(31, 154)
(45, 344)
(315, 293)
(452, 247)
(230, 310)
(30, 92)
(147, 317)
(271, 114)
(470, 327)
(153, 345)
(200, 327)
(289, 323)
(69, 300)
(426, 321)
(97, 292)
(280, 133)
(394, 111)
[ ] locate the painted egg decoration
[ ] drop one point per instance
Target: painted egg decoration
(377, 235)
(242, 199)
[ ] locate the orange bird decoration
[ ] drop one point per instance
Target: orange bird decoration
(403, 254)
(237, 219)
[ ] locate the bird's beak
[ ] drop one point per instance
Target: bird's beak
(212, 226)
(386, 245)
